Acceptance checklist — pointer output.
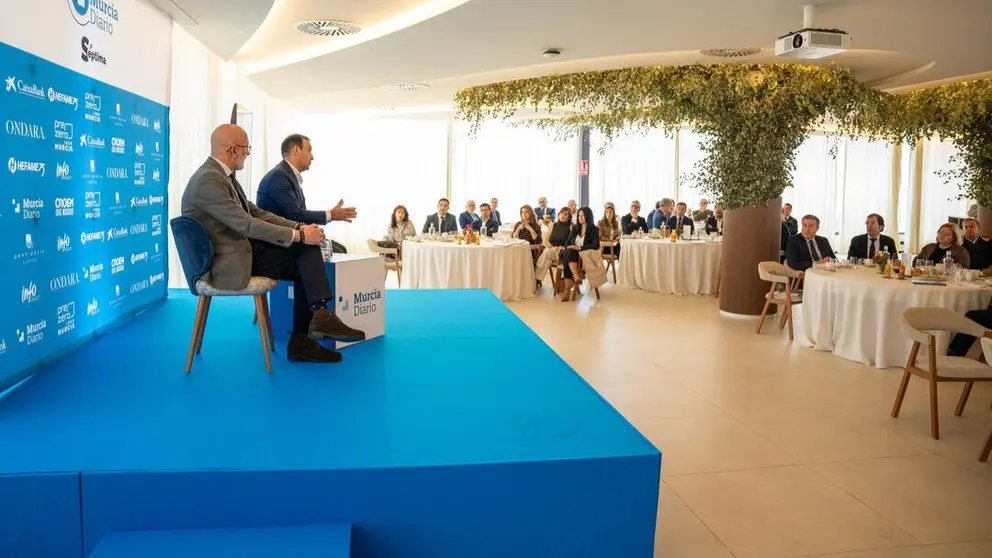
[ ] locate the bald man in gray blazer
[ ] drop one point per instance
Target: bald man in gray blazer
(249, 241)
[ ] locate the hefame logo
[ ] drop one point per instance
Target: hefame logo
(156, 200)
(85, 237)
(118, 145)
(59, 97)
(22, 129)
(119, 232)
(90, 54)
(32, 333)
(63, 136)
(157, 126)
(93, 106)
(98, 13)
(63, 282)
(157, 278)
(117, 173)
(92, 308)
(138, 228)
(139, 149)
(29, 208)
(64, 243)
(91, 141)
(156, 225)
(94, 272)
(139, 120)
(65, 207)
(139, 202)
(363, 303)
(15, 85)
(62, 171)
(92, 204)
(15, 166)
(140, 257)
(139, 174)
(29, 293)
(66, 317)
(117, 265)
(139, 286)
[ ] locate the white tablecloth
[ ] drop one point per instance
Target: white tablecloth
(856, 314)
(507, 271)
(670, 267)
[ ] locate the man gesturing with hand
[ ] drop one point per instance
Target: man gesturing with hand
(250, 241)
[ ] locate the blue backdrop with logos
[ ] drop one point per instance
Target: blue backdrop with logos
(83, 215)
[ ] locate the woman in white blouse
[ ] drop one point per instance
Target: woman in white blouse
(400, 227)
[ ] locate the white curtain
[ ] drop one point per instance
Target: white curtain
(814, 186)
(374, 165)
(865, 186)
(635, 166)
(517, 165)
(937, 199)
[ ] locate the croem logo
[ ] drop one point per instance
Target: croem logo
(65, 207)
(118, 145)
(117, 265)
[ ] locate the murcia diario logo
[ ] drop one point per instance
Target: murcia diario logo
(98, 13)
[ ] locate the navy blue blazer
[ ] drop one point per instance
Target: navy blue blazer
(797, 254)
(280, 193)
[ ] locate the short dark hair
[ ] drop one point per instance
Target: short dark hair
(811, 218)
(485, 205)
(879, 218)
(789, 205)
(443, 200)
(291, 141)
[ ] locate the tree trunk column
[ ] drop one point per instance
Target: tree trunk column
(985, 220)
(750, 235)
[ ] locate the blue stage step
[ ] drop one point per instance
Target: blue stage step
(318, 541)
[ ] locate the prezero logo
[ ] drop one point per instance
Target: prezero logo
(98, 13)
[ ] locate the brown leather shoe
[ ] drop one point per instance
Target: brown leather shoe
(303, 349)
(326, 324)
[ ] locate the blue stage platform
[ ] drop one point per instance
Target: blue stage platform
(449, 437)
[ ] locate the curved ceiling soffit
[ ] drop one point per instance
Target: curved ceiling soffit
(419, 13)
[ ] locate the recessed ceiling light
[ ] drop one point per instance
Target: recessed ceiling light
(327, 27)
(730, 52)
(412, 86)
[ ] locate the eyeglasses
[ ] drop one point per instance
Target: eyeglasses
(247, 148)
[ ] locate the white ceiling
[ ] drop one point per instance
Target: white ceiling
(450, 44)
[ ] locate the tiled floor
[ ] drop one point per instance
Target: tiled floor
(771, 449)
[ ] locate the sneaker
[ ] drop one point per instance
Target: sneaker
(303, 349)
(326, 324)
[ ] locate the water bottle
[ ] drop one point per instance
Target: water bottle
(326, 249)
(482, 231)
(430, 233)
(948, 262)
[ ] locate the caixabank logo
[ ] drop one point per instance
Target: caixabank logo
(95, 13)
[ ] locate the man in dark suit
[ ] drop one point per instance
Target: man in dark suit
(281, 192)
(443, 221)
(680, 219)
(487, 220)
(543, 209)
(806, 247)
(867, 245)
(249, 241)
(494, 206)
(978, 248)
(468, 216)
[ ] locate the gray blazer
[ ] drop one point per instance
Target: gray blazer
(220, 205)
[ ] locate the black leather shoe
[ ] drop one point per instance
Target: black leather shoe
(303, 349)
(326, 324)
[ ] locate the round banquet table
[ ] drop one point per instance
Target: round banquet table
(670, 267)
(857, 314)
(507, 271)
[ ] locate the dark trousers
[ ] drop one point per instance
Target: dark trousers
(961, 343)
(302, 264)
(568, 256)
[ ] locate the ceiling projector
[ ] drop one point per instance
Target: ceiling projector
(812, 43)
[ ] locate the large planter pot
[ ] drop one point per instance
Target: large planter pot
(750, 235)
(985, 220)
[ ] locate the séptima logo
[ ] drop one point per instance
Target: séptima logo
(90, 54)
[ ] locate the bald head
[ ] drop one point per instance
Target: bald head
(229, 144)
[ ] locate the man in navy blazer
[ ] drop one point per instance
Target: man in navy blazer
(280, 191)
(806, 248)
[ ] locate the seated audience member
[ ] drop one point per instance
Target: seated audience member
(486, 221)
(555, 242)
(977, 247)
(785, 242)
(281, 189)
(650, 217)
(543, 209)
(400, 228)
(468, 216)
(790, 222)
(609, 231)
(584, 236)
(443, 221)
(704, 212)
(948, 242)
(494, 205)
(867, 245)
(573, 210)
(680, 219)
(633, 221)
(528, 229)
(807, 248)
(665, 213)
(714, 223)
(961, 343)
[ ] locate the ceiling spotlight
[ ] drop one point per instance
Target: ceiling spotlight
(412, 86)
(327, 28)
(551, 53)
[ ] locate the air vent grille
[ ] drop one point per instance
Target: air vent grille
(327, 28)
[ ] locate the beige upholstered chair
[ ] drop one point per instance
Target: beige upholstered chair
(783, 292)
(395, 265)
(916, 322)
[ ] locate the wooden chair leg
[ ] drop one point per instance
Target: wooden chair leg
(906, 375)
(203, 328)
(613, 266)
(268, 322)
(761, 318)
(263, 330)
(934, 417)
(964, 398)
(399, 276)
(983, 455)
(197, 324)
(788, 309)
(782, 318)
